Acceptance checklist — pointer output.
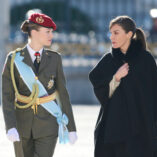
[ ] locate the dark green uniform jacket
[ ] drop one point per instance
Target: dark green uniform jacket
(43, 123)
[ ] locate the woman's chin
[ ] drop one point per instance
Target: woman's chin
(115, 46)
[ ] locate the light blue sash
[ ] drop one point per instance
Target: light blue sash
(28, 77)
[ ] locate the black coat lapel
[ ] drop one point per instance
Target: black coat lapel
(132, 53)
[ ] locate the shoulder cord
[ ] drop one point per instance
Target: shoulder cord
(35, 90)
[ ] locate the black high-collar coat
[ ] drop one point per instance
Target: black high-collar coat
(131, 111)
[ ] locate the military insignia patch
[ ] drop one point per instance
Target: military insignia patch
(51, 83)
(40, 19)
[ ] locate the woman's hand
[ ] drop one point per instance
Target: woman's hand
(122, 72)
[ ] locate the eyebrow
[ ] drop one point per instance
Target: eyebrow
(115, 30)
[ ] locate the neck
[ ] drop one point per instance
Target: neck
(35, 46)
(125, 47)
(123, 50)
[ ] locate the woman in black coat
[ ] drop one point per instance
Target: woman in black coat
(125, 83)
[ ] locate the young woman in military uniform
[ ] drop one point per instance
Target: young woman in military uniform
(36, 104)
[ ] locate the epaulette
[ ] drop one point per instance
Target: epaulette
(17, 50)
(51, 51)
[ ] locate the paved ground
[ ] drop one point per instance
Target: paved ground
(85, 117)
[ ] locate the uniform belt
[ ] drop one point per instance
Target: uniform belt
(38, 101)
(45, 99)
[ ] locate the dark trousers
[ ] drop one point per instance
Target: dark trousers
(41, 147)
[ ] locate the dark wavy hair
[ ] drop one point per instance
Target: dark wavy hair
(128, 24)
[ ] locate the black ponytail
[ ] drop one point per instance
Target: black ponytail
(140, 36)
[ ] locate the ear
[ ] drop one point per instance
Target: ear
(33, 32)
(129, 34)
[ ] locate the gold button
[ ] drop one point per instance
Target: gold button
(36, 77)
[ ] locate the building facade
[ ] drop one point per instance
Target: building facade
(102, 11)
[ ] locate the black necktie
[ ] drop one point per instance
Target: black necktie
(37, 61)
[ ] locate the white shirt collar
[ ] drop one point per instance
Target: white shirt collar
(32, 52)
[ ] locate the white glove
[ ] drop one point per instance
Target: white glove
(72, 137)
(13, 135)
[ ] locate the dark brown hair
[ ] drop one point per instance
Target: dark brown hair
(27, 27)
(128, 24)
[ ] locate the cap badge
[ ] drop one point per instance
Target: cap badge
(39, 19)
